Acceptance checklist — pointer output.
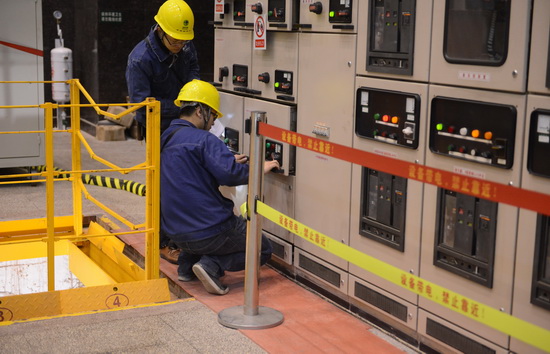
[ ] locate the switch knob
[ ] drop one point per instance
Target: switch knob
(264, 77)
(316, 7)
(223, 72)
(257, 8)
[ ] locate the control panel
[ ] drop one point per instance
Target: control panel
(538, 157)
(231, 139)
(240, 75)
(239, 11)
(476, 131)
(284, 85)
(340, 14)
(383, 202)
(282, 14)
(390, 46)
(541, 265)
(274, 151)
(465, 236)
(388, 116)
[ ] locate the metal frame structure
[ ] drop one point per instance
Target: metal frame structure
(52, 229)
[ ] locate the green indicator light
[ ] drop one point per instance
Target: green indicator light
(331, 14)
(268, 145)
(377, 116)
(439, 126)
(277, 84)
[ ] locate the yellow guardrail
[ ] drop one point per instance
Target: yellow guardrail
(45, 229)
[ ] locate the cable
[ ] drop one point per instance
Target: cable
(101, 181)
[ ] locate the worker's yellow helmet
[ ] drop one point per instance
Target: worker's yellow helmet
(176, 18)
(202, 92)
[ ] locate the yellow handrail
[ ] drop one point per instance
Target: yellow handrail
(151, 166)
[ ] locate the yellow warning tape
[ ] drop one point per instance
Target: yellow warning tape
(503, 322)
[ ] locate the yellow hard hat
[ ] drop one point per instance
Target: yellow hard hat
(176, 18)
(202, 92)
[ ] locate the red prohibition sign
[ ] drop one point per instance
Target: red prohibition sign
(260, 26)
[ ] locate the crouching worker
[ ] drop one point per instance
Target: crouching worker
(195, 215)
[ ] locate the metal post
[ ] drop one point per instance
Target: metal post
(252, 316)
(50, 196)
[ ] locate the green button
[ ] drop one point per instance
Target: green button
(377, 116)
(268, 145)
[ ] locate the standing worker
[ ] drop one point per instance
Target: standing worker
(195, 215)
(158, 67)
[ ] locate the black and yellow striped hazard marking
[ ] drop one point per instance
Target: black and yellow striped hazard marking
(101, 181)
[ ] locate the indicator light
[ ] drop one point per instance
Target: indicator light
(331, 14)
(277, 85)
(451, 129)
(386, 118)
(475, 133)
(439, 126)
(394, 119)
(463, 131)
(377, 116)
(488, 135)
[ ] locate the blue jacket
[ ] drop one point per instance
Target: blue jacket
(193, 164)
(152, 71)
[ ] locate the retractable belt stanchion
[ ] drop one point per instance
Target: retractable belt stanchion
(251, 315)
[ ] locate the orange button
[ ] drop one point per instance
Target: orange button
(488, 135)
(394, 119)
(475, 133)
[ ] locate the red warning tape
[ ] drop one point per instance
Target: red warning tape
(497, 192)
(23, 48)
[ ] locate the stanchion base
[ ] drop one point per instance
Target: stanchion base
(234, 317)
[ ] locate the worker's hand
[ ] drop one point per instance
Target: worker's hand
(269, 165)
(241, 158)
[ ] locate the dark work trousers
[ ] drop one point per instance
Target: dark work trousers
(219, 253)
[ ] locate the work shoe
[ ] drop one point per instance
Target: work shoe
(212, 284)
(187, 277)
(171, 255)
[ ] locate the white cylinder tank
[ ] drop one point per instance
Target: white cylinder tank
(62, 70)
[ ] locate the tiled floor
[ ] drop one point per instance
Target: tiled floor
(311, 323)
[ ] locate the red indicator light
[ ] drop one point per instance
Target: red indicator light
(386, 118)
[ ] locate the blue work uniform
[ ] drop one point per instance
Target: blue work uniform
(153, 71)
(194, 213)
